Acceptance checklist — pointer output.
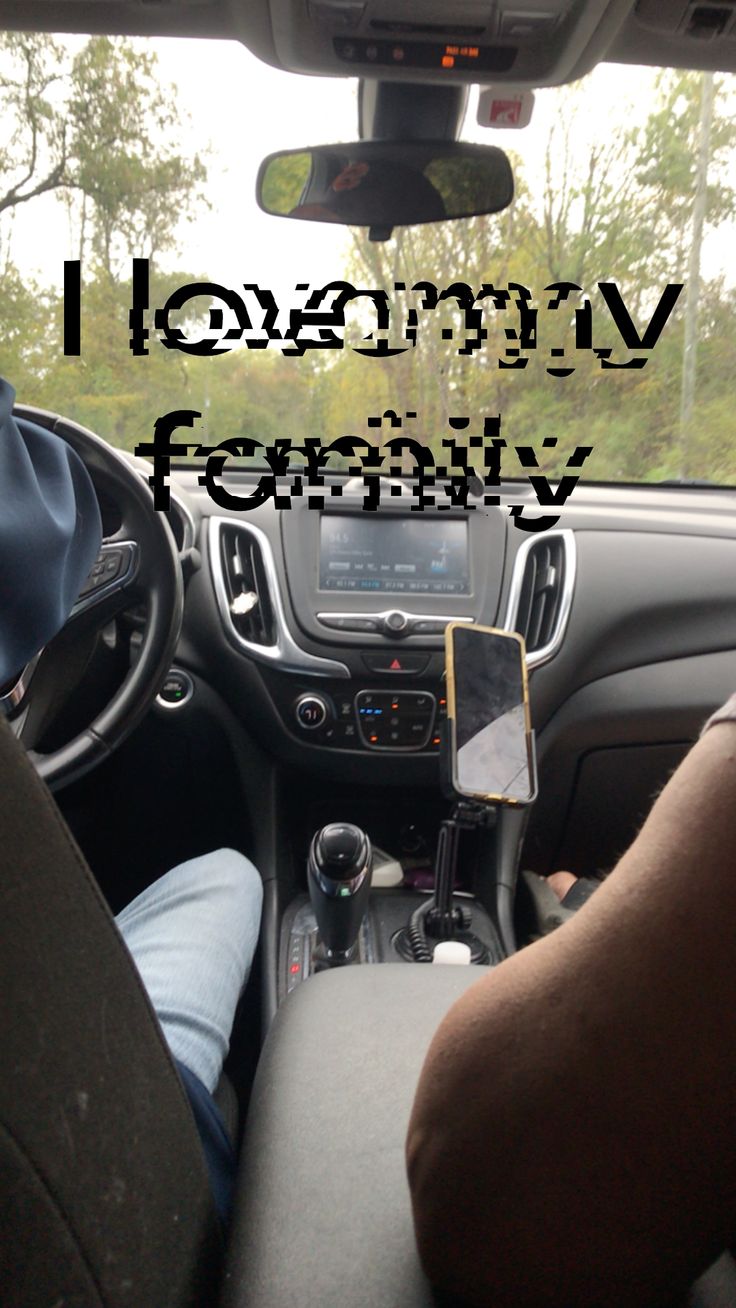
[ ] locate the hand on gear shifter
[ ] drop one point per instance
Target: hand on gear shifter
(339, 879)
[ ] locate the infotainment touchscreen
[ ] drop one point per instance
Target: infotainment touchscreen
(394, 554)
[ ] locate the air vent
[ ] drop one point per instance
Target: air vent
(246, 587)
(541, 592)
(249, 599)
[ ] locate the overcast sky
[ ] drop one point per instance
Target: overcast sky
(240, 109)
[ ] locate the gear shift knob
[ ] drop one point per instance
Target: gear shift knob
(339, 879)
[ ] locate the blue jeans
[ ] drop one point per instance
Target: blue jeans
(192, 936)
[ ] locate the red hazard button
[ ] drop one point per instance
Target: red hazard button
(397, 664)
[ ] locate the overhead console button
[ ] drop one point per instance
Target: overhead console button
(520, 25)
(397, 664)
(338, 15)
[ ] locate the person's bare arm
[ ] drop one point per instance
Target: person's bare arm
(573, 1137)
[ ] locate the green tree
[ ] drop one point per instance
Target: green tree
(614, 208)
(122, 120)
(95, 129)
(667, 163)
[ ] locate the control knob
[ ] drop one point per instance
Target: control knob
(311, 711)
(395, 623)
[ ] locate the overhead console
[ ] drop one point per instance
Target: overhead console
(534, 42)
(521, 42)
(685, 34)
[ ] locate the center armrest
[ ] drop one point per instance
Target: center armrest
(323, 1216)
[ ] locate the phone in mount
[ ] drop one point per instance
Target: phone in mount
(491, 742)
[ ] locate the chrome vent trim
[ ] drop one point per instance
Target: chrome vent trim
(541, 609)
(279, 647)
(246, 588)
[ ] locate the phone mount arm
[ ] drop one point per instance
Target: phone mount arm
(442, 919)
(509, 834)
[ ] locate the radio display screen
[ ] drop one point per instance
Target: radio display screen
(394, 555)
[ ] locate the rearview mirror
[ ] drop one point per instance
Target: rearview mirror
(385, 184)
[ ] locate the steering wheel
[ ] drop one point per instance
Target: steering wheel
(138, 564)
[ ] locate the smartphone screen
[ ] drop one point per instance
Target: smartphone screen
(488, 706)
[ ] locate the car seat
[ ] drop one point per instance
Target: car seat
(104, 1193)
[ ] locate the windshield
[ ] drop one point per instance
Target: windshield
(587, 325)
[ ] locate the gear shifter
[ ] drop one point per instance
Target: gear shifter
(339, 879)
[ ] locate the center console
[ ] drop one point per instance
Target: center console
(322, 1217)
(343, 610)
(381, 588)
(381, 938)
(363, 907)
(345, 615)
(341, 614)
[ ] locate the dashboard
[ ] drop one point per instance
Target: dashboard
(323, 630)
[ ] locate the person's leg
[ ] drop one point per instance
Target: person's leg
(192, 936)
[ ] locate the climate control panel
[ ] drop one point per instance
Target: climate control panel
(391, 702)
(402, 719)
(363, 716)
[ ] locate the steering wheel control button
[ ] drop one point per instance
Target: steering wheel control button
(176, 691)
(397, 664)
(97, 576)
(111, 565)
(395, 721)
(311, 712)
